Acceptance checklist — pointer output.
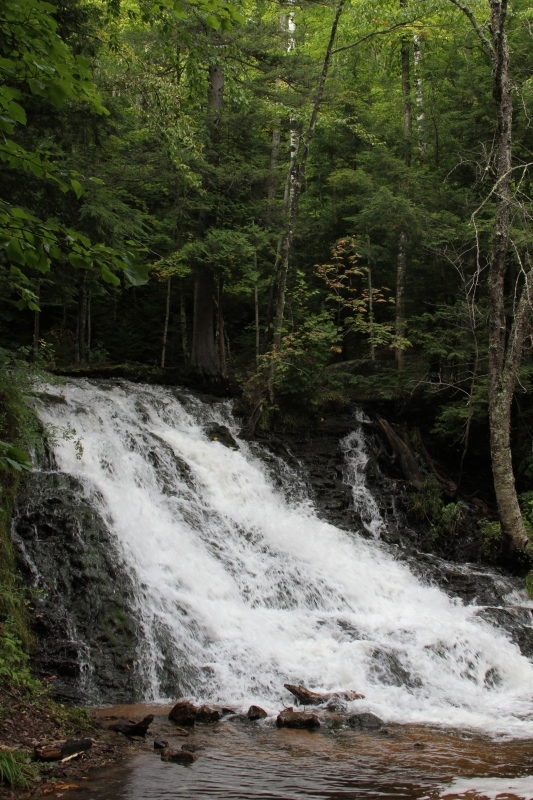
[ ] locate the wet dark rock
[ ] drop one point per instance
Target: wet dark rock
(386, 668)
(365, 721)
(160, 744)
(336, 704)
(222, 434)
(183, 713)
(516, 620)
(288, 718)
(85, 628)
(256, 712)
(178, 756)
(208, 714)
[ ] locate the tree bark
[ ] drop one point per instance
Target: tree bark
(204, 352)
(165, 323)
(419, 97)
(505, 344)
(506, 337)
(401, 264)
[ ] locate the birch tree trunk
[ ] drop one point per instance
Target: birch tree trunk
(419, 97)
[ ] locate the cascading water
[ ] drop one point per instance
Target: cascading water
(238, 587)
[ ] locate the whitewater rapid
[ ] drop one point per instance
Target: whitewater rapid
(240, 587)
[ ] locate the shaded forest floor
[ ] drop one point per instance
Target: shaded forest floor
(26, 721)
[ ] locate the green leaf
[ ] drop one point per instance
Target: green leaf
(108, 276)
(77, 187)
(136, 274)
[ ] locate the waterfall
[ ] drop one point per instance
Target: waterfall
(236, 586)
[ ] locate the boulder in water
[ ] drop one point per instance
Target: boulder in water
(178, 756)
(256, 712)
(365, 721)
(288, 718)
(183, 713)
(208, 714)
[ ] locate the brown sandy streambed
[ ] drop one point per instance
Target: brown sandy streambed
(239, 760)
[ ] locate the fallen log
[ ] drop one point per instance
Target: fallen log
(306, 697)
(133, 729)
(61, 750)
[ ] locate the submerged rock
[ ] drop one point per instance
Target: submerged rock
(365, 721)
(288, 718)
(178, 756)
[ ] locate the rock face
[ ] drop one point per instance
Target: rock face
(289, 718)
(85, 630)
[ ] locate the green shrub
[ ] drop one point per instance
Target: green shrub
(15, 769)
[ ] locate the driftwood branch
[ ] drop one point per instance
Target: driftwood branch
(133, 729)
(309, 698)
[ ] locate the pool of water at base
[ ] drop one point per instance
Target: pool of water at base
(240, 760)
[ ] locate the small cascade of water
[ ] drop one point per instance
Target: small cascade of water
(354, 447)
(238, 587)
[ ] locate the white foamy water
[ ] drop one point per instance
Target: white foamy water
(247, 589)
(490, 788)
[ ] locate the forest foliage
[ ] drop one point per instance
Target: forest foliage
(149, 150)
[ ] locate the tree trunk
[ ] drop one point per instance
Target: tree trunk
(81, 349)
(401, 264)
(505, 346)
(293, 185)
(401, 272)
(204, 352)
(419, 97)
(37, 323)
(183, 326)
(165, 323)
(299, 154)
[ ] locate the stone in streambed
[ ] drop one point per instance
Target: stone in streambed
(178, 756)
(183, 713)
(364, 721)
(256, 712)
(208, 714)
(289, 718)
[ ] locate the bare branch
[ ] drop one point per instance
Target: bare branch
(375, 33)
(486, 43)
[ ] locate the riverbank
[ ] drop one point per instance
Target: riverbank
(26, 720)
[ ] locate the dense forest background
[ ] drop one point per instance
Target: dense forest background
(293, 200)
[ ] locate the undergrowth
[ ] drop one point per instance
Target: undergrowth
(16, 771)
